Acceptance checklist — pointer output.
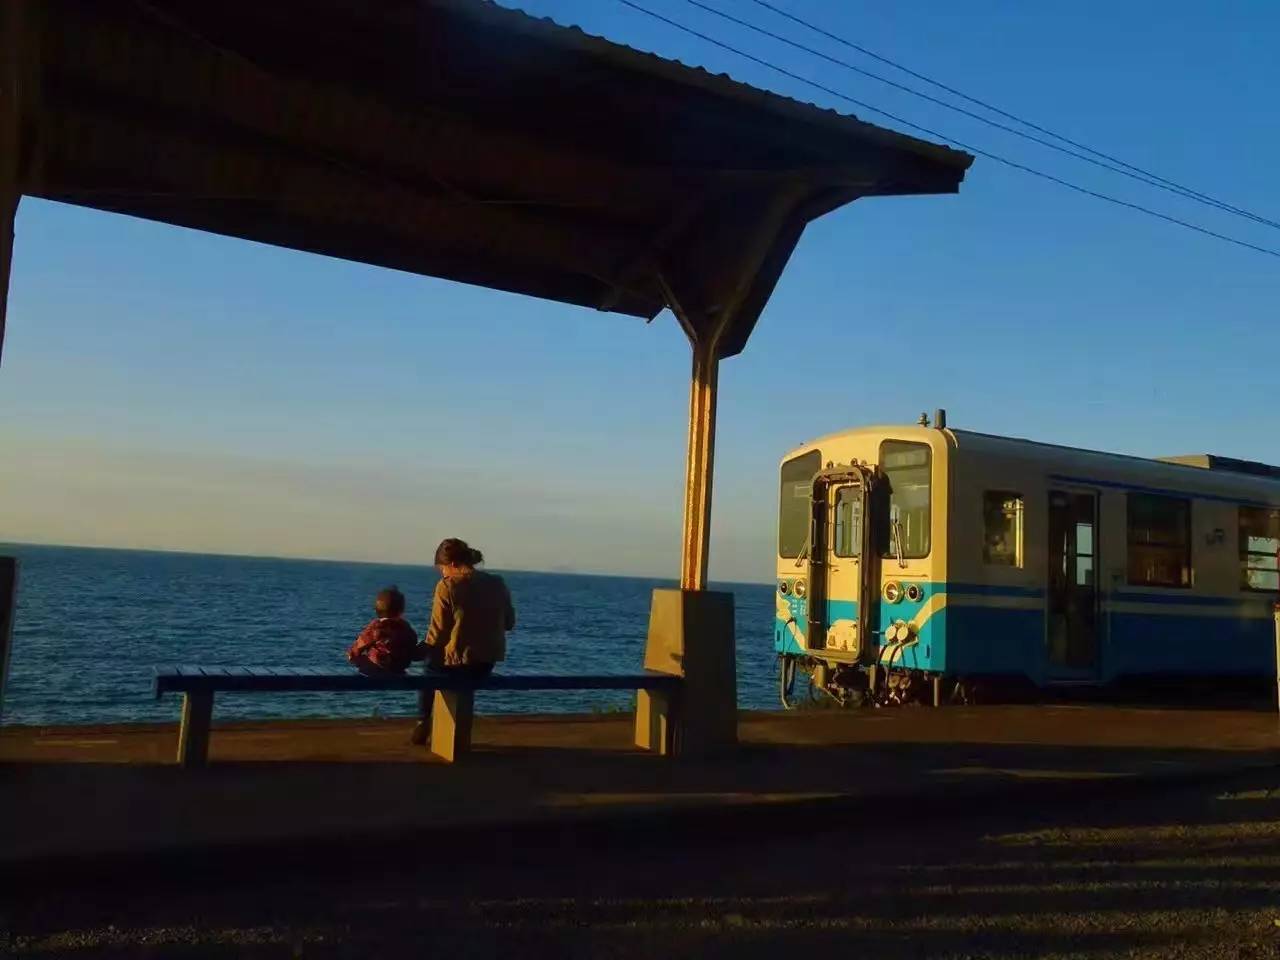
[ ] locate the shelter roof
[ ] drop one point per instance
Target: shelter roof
(451, 138)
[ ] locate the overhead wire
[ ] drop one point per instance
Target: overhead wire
(986, 105)
(1106, 162)
(978, 151)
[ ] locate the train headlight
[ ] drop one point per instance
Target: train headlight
(915, 592)
(784, 587)
(893, 591)
(800, 588)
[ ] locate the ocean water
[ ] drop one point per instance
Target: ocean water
(92, 624)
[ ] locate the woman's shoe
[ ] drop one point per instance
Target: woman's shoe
(421, 734)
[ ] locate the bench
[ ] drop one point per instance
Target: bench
(452, 713)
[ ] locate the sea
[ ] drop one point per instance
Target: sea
(91, 626)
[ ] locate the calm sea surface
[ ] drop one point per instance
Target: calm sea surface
(92, 624)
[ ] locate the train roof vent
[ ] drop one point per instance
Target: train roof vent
(1210, 461)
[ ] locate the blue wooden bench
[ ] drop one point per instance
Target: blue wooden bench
(451, 718)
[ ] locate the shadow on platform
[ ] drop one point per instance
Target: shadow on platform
(318, 793)
(1097, 873)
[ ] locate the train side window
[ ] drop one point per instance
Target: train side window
(1159, 540)
(1002, 528)
(1260, 549)
(847, 539)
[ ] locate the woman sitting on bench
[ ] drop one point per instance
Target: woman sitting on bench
(471, 613)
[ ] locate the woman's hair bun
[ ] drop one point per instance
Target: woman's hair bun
(457, 553)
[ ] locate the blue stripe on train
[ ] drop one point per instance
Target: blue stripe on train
(988, 589)
(964, 638)
(1183, 599)
(1222, 645)
(992, 640)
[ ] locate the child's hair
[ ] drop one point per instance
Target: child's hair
(389, 602)
(455, 552)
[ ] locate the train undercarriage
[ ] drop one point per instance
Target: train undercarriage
(856, 684)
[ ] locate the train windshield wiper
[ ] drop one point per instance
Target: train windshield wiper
(897, 542)
(803, 555)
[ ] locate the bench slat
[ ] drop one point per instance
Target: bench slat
(257, 679)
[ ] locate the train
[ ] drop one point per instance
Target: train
(925, 563)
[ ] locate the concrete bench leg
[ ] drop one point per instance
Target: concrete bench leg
(657, 721)
(193, 736)
(451, 716)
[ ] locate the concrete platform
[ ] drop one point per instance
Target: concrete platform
(84, 794)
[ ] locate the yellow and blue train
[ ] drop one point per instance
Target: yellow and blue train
(922, 561)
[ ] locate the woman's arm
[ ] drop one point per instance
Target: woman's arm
(441, 628)
(509, 616)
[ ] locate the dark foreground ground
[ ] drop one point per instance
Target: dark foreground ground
(73, 797)
(1190, 869)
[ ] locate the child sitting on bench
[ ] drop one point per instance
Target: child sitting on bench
(385, 645)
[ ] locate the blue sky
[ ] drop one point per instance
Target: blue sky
(167, 389)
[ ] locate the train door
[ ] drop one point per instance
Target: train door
(837, 620)
(844, 574)
(1073, 587)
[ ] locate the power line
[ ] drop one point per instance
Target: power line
(941, 136)
(1110, 164)
(1163, 182)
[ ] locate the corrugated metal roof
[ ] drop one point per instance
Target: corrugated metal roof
(722, 83)
(451, 138)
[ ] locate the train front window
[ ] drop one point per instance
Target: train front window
(909, 469)
(796, 503)
(1260, 549)
(847, 536)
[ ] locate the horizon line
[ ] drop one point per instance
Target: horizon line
(367, 563)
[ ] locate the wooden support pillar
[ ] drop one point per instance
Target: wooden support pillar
(695, 543)
(12, 58)
(691, 630)
(10, 123)
(19, 135)
(8, 211)
(707, 329)
(193, 735)
(18, 61)
(695, 540)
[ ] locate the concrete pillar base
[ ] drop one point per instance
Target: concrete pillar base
(691, 635)
(452, 714)
(657, 722)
